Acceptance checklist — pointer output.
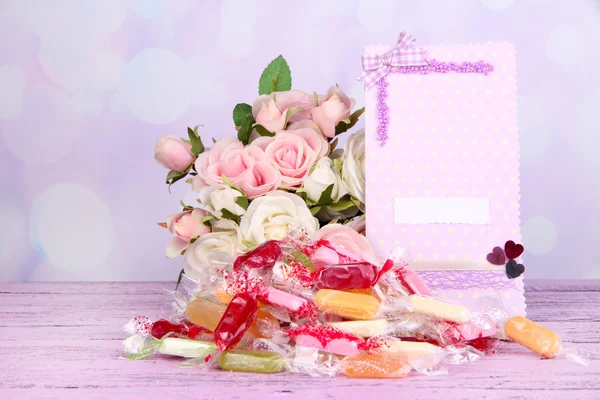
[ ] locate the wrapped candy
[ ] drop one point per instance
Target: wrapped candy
(289, 302)
(533, 336)
(265, 362)
(410, 279)
(347, 276)
(328, 338)
(439, 309)
(236, 320)
(365, 329)
(346, 304)
(263, 257)
(379, 365)
(205, 313)
(186, 348)
(308, 307)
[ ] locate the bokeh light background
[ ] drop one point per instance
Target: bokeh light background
(86, 88)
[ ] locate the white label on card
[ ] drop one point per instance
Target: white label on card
(442, 210)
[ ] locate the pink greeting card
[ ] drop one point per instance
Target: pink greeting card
(442, 163)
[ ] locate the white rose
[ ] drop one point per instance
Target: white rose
(215, 198)
(353, 167)
(212, 251)
(274, 215)
(324, 174)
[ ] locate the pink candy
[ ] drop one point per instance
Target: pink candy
(342, 347)
(409, 278)
(279, 298)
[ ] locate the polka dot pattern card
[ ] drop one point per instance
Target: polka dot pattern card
(445, 185)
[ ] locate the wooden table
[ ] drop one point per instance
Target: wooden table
(63, 340)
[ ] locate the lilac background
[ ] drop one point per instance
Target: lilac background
(88, 86)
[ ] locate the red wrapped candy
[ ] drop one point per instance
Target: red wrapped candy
(263, 257)
(186, 329)
(361, 275)
(236, 320)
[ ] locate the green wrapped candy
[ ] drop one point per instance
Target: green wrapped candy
(186, 348)
(265, 362)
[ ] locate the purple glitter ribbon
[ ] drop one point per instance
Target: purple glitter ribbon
(382, 111)
(464, 280)
(479, 67)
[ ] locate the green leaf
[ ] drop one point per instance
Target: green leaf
(325, 198)
(262, 131)
(337, 164)
(197, 145)
(291, 112)
(277, 77)
(241, 113)
(229, 215)
(354, 200)
(226, 181)
(214, 140)
(333, 145)
(206, 220)
(316, 98)
(179, 279)
(355, 116)
(242, 202)
(243, 119)
(245, 131)
(343, 126)
(342, 204)
(174, 176)
(315, 210)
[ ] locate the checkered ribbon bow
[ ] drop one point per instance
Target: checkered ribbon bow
(376, 66)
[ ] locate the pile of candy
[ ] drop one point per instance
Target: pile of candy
(308, 307)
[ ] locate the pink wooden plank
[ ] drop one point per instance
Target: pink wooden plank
(64, 340)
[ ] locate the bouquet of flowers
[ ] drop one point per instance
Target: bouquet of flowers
(277, 274)
(282, 171)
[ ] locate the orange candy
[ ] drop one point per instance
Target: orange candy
(222, 296)
(368, 291)
(378, 365)
(346, 304)
(263, 320)
(533, 336)
(207, 314)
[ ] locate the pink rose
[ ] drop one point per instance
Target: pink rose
(173, 153)
(271, 107)
(292, 154)
(317, 142)
(295, 99)
(267, 113)
(347, 239)
(307, 130)
(332, 109)
(247, 167)
(184, 226)
(213, 157)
